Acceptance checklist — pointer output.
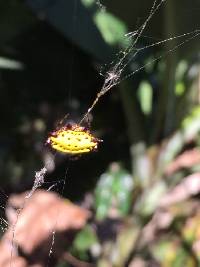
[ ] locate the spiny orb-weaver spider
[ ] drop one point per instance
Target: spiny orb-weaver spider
(73, 140)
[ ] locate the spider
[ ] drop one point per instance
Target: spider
(73, 140)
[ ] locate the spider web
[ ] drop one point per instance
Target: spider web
(115, 74)
(117, 71)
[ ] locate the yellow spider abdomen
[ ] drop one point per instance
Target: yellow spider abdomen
(73, 140)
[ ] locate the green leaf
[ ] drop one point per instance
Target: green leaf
(88, 3)
(180, 88)
(111, 28)
(85, 239)
(113, 192)
(145, 94)
(11, 64)
(181, 70)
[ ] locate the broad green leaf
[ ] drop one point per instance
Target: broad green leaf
(113, 193)
(111, 28)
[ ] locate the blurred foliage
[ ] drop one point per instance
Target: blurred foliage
(85, 240)
(113, 193)
(145, 92)
(147, 212)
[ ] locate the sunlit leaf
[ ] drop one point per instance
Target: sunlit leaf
(180, 88)
(10, 64)
(111, 28)
(88, 3)
(145, 94)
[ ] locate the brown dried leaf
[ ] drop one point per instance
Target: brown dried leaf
(40, 216)
(186, 160)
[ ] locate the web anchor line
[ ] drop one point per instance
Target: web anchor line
(111, 80)
(113, 76)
